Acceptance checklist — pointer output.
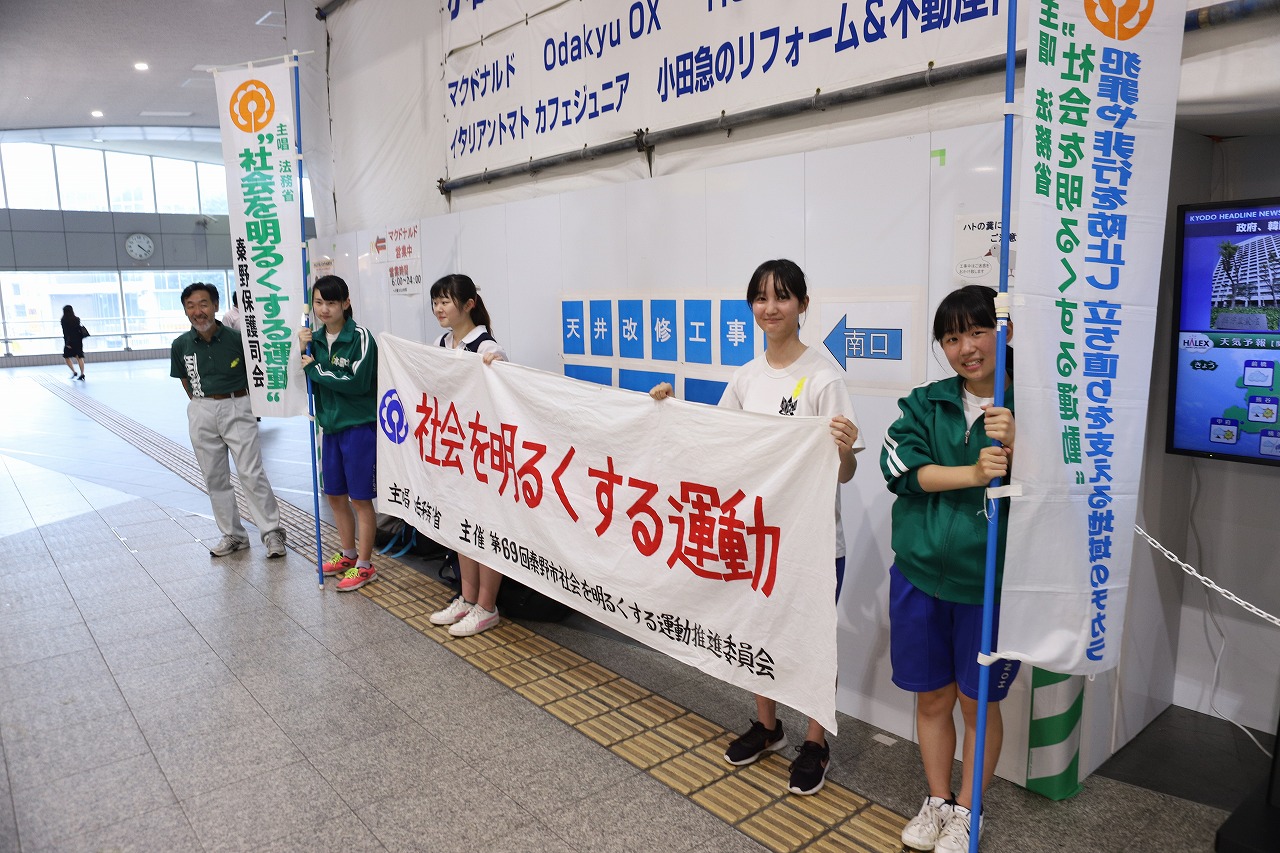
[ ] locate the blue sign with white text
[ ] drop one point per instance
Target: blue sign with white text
(631, 328)
(737, 332)
(572, 328)
(847, 342)
(697, 331)
(662, 330)
(602, 327)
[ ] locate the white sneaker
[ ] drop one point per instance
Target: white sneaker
(275, 543)
(453, 612)
(922, 832)
(955, 835)
(228, 545)
(477, 619)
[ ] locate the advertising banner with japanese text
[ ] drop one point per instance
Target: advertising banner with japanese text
(265, 214)
(1101, 87)
(523, 83)
(705, 533)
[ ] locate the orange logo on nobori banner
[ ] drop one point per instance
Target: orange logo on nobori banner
(1120, 21)
(252, 106)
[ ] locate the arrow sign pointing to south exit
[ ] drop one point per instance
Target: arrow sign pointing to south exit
(845, 342)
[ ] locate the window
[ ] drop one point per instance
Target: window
(308, 206)
(129, 183)
(33, 310)
(175, 186)
(82, 180)
(152, 303)
(36, 176)
(137, 309)
(30, 181)
(213, 188)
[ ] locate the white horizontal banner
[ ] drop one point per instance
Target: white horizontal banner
(585, 73)
(707, 534)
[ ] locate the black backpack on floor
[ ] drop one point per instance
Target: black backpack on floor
(396, 538)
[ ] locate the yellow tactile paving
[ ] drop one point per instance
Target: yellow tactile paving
(651, 711)
(421, 623)
(499, 656)
(732, 799)
(544, 691)
(831, 809)
(577, 710)
(646, 749)
(835, 843)
(876, 828)
(688, 773)
(689, 730)
(524, 672)
(410, 609)
(538, 645)
(566, 659)
(781, 828)
(681, 749)
(589, 676)
(620, 692)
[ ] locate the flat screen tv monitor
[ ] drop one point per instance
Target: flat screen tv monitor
(1224, 402)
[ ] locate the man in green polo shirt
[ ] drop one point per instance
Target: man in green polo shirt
(209, 360)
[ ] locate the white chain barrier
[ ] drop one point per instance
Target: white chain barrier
(1225, 593)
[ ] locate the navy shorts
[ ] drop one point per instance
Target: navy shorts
(839, 576)
(350, 462)
(933, 643)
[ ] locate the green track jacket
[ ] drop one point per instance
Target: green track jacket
(939, 538)
(344, 380)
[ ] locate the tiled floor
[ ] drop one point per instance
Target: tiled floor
(153, 698)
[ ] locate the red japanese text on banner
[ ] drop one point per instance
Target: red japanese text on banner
(705, 533)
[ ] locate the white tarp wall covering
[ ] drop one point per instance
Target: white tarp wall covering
(856, 195)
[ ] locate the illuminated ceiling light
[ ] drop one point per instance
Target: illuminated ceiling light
(96, 113)
(140, 66)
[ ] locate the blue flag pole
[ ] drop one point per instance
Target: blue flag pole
(306, 317)
(992, 505)
(315, 474)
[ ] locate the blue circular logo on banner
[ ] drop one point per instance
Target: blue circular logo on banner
(391, 417)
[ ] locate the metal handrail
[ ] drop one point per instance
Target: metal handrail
(8, 341)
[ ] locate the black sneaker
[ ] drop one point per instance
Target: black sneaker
(755, 743)
(809, 770)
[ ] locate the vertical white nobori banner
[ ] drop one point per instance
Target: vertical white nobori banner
(264, 200)
(705, 533)
(1101, 88)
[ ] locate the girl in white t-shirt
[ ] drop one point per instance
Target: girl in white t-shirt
(789, 379)
(460, 310)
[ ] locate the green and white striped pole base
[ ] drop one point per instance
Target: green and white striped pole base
(1053, 736)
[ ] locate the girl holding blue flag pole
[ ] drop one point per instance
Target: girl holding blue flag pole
(938, 459)
(342, 365)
